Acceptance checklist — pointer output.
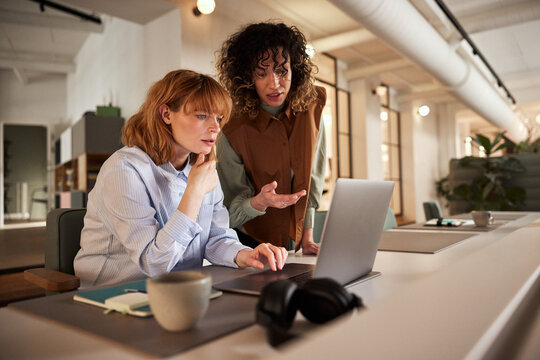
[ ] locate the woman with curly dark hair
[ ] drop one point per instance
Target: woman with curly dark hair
(272, 151)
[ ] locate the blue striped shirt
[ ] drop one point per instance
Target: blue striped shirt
(133, 229)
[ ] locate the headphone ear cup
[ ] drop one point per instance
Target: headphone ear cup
(278, 300)
(276, 310)
(323, 299)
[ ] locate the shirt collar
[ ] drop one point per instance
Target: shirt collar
(170, 169)
(263, 118)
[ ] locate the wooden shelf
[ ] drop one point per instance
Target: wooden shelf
(80, 173)
(89, 165)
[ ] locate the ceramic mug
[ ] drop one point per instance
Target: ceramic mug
(482, 218)
(179, 299)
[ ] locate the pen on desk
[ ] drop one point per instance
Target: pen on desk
(134, 290)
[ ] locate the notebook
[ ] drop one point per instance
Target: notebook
(129, 298)
(349, 241)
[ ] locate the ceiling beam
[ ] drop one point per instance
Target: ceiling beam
(531, 74)
(377, 68)
(342, 40)
(19, 73)
(426, 94)
(62, 67)
(502, 16)
(51, 21)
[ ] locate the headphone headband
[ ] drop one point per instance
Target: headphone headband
(319, 300)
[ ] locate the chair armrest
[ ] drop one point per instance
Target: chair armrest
(52, 280)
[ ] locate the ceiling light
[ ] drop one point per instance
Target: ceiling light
(206, 6)
(423, 110)
(384, 115)
(310, 50)
(381, 90)
(538, 119)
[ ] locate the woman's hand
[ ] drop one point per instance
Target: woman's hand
(202, 179)
(309, 247)
(267, 197)
(265, 253)
(203, 176)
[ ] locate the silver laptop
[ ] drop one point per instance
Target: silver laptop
(349, 241)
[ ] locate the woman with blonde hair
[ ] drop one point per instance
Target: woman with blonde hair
(157, 204)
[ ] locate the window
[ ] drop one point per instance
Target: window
(336, 119)
(391, 149)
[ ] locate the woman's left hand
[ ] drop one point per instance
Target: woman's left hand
(265, 253)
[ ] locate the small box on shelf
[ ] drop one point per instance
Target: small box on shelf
(96, 134)
(111, 111)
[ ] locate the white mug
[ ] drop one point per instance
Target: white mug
(482, 218)
(179, 299)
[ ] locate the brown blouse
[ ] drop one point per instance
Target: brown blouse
(269, 148)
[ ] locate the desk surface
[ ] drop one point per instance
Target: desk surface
(447, 305)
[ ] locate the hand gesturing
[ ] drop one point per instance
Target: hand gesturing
(268, 197)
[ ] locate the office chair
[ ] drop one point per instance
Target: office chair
(390, 221)
(39, 196)
(62, 242)
(432, 210)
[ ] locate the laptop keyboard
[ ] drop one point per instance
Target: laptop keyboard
(301, 279)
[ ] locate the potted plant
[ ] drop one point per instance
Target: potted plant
(486, 186)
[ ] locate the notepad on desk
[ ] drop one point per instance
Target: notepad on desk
(448, 222)
(130, 298)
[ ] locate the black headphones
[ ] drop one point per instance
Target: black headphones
(319, 300)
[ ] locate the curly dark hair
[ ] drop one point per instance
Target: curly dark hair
(241, 53)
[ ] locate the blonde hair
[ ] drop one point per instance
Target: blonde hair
(184, 90)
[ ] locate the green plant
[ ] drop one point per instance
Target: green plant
(489, 190)
(525, 147)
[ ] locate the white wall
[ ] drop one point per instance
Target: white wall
(119, 65)
(448, 133)
(162, 47)
(366, 130)
(109, 68)
(426, 157)
(203, 36)
(41, 101)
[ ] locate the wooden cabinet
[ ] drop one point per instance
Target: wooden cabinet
(79, 173)
(81, 150)
(88, 169)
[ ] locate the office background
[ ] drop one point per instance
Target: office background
(50, 76)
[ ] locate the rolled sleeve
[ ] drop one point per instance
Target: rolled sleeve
(317, 179)
(310, 218)
(223, 243)
(131, 219)
(181, 228)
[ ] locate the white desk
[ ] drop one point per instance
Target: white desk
(447, 305)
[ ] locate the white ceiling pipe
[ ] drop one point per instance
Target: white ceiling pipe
(399, 24)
